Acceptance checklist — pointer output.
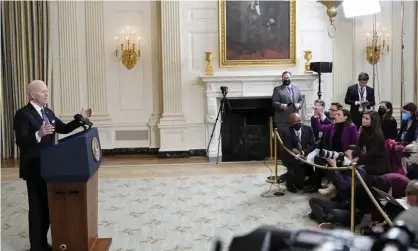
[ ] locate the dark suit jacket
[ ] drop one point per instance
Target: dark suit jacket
(375, 158)
(27, 122)
(352, 96)
(281, 97)
(307, 143)
(349, 136)
(410, 133)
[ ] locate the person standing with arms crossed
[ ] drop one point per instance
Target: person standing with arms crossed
(360, 97)
(35, 126)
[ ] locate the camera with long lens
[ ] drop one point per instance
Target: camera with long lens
(327, 154)
(224, 90)
(402, 236)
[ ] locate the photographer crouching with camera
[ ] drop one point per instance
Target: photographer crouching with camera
(337, 209)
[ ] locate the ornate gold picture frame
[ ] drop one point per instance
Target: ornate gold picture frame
(257, 33)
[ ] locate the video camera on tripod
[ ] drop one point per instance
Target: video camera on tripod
(221, 112)
(402, 236)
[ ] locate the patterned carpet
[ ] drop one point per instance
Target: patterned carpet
(169, 213)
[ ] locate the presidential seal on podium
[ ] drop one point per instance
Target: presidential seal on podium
(95, 149)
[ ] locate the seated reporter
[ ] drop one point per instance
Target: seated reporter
(300, 140)
(334, 211)
(319, 107)
(372, 142)
(409, 124)
(411, 192)
(338, 137)
(389, 124)
(410, 160)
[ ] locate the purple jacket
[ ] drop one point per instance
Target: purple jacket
(349, 136)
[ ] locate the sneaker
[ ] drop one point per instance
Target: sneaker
(326, 225)
(329, 190)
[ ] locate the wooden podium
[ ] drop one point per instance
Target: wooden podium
(71, 170)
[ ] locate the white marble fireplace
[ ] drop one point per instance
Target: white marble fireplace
(253, 86)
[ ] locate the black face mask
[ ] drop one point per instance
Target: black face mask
(382, 110)
(286, 81)
(297, 126)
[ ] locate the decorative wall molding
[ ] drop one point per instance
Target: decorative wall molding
(343, 65)
(66, 63)
(157, 103)
(96, 77)
(173, 123)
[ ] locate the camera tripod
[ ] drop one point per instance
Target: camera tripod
(221, 113)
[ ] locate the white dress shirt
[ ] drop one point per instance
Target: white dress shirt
(39, 110)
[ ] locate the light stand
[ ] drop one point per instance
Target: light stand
(221, 113)
(402, 56)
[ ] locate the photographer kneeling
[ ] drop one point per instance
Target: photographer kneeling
(337, 210)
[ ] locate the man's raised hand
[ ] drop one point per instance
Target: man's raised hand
(46, 130)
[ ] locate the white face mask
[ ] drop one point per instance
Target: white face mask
(413, 159)
(346, 161)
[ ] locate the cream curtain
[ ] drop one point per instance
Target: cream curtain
(26, 56)
(416, 54)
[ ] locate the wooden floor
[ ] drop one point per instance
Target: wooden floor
(134, 166)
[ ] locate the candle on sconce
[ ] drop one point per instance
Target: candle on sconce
(116, 43)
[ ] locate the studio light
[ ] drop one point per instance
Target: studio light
(355, 8)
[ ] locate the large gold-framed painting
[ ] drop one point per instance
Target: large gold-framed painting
(257, 33)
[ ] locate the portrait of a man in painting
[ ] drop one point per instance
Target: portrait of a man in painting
(257, 32)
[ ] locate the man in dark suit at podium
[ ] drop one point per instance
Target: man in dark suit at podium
(360, 97)
(35, 126)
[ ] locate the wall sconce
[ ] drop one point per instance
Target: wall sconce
(377, 45)
(127, 47)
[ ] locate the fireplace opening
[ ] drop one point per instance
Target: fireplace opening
(245, 129)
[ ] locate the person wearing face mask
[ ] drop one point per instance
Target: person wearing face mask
(300, 139)
(388, 122)
(409, 124)
(360, 97)
(337, 210)
(410, 160)
(286, 99)
(372, 142)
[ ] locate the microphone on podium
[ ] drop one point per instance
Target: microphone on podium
(84, 121)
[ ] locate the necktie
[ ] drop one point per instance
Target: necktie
(362, 94)
(299, 143)
(291, 93)
(44, 117)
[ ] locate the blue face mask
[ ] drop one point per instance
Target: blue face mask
(406, 116)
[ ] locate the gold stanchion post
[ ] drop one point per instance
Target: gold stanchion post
(271, 137)
(275, 155)
(273, 179)
(353, 195)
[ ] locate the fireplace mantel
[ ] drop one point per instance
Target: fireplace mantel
(247, 86)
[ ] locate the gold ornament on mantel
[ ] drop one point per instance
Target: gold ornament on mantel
(209, 67)
(332, 11)
(308, 57)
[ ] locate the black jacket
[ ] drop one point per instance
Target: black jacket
(27, 122)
